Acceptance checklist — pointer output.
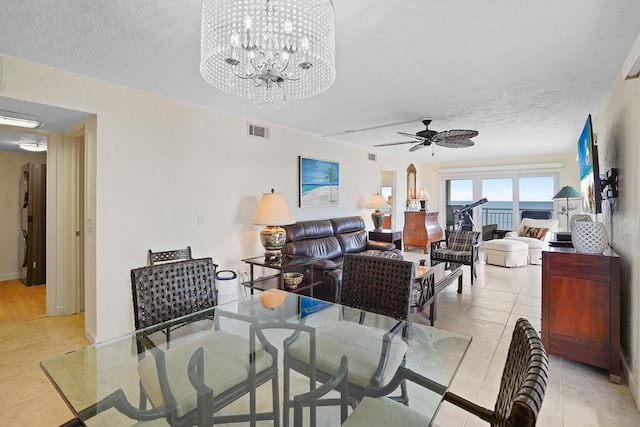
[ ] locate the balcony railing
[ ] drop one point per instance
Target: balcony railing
(503, 217)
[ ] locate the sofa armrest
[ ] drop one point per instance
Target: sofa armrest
(336, 283)
(511, 234)
(381, 246)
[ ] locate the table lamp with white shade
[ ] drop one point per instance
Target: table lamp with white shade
(377, 202)
(423, 196)
(273, 211)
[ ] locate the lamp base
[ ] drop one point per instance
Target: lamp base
(273, 239)
(423, 205)
(377, 217)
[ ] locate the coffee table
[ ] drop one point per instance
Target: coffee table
(441, 277)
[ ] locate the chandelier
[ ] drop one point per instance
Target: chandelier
(270, 51)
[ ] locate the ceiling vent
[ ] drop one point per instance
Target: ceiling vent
(258, 131)
(373, 157)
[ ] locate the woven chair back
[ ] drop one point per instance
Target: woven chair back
(524, 379)
(167, 291)
(461, 240)
(173, 255)
(378, 285)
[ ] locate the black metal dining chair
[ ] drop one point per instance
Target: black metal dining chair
(522, 389)
(371, 284)
(163, 294)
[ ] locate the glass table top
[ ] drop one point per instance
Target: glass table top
(88, 375)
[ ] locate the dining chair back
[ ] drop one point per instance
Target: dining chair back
(167, 256)
(523, 384)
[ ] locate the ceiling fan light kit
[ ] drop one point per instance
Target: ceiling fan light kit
(270, 51)
(454, 138)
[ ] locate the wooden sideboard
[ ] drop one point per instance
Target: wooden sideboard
(581, 307)
(420, 229)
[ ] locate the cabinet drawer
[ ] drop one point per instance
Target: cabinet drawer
(585, 266)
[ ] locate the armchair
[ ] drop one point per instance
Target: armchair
(536, 233)
(459, 247)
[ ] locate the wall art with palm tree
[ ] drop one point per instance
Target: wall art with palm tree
(319, 182)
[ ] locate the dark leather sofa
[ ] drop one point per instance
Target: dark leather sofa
(329, 240)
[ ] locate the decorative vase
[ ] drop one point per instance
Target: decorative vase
(589, 237)
(578, 217)
(414, 205)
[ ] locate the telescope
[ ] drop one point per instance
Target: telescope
(466, 208)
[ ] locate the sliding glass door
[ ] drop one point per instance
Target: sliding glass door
(508, 196)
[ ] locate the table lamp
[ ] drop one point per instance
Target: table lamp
(377, 202)
(567, 192)
(273, 211)
(423, 196)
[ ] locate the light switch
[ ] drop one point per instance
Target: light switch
(200, 220)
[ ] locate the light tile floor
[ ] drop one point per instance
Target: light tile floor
(577, 394)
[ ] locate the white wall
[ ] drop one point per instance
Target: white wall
(11, 209)
(161, 163)
(617, 126)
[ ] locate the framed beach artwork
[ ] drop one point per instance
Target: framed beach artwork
(319, 183)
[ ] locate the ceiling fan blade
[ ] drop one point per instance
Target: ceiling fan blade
(455, 143)
(418, 147)
(394, 143)
(410, 135)
(455, 134)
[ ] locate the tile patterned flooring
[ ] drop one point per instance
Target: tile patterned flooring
(577, 394)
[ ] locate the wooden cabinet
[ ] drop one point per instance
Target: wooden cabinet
(420, 229)
(581, 307)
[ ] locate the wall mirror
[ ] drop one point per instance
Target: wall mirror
(411, 183)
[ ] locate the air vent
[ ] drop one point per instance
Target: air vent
(373, 157)
(258, 131)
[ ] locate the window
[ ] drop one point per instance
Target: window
(507, 197)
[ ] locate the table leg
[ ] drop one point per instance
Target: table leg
(251, 277)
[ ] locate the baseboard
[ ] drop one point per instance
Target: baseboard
(90, 335)
(631, 382)
(9, 276)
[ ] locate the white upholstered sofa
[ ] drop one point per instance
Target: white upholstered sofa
(536, 246)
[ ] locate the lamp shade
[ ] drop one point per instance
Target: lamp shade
(273, 210)
(567, 192)
(377, 202)
(423, 195)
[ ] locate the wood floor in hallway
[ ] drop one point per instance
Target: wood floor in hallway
(19, 303)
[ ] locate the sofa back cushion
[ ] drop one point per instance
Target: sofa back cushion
(312, 239)
(308, 230)
(321, 247)
(355, 241)
(347, 224)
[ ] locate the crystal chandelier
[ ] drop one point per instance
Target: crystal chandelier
(268, 50)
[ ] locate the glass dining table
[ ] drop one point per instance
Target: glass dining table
(87, 376)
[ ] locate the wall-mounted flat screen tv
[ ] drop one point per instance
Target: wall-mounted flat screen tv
(589, 170)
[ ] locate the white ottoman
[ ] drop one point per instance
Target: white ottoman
(506, 253)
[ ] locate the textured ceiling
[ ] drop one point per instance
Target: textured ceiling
(524, 74)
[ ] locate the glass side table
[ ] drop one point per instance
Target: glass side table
(282, 265)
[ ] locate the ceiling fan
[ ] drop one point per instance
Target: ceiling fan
(454, 138)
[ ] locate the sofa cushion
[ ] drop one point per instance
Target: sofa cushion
(355, 241)
(308, 230)
(347, 224)
(322, 247)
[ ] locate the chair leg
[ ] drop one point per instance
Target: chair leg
(286, 378)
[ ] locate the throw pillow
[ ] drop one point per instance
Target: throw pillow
(533, 232)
